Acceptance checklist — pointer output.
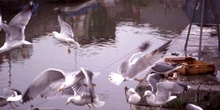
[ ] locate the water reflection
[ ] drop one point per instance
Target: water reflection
(107, 34)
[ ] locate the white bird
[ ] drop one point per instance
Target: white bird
(11, 96)
(48, 84)
(138, 63)
(66, 34)
(132, 96)
(54, 83)
(15, 30)
(85, 95)
(163, 93)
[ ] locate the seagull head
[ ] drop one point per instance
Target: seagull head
(62, 87)
(131, 91)
(73, 99)
(147, 93)
(54, 33)
(69, 100)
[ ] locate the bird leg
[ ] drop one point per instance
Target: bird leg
(15, 104)
(87, 85)
(90, 106)
(22, 53)
(69, 50)
(11, 105)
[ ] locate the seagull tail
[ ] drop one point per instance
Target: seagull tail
(171, 98)
(98, 103)
(27, 42)
(116, 78)
(95, 74)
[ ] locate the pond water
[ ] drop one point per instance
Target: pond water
(108, 33)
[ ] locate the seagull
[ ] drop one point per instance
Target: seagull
(165, 68)
(11, 96)
(132, 97)
(54, 83)
(15, 30)
(138, 63)
(66, 34)
(163, 93)
(158, 72)
(85, 95)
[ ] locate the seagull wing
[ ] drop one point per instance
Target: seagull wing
(52, 91)
(22, 18)
(65, 28)
(3, 101)
(153, 79)
(163, 94)
(86, 91)
(15, 29)
(163, 67)
(42, 82)
(7, 30)
(144, 60)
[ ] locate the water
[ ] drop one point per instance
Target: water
(107, 33)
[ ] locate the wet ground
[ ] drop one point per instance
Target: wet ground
(108, 32)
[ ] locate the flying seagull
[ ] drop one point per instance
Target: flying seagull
(48, 84)
(66, 34)
(15, 30)
(138, 63)
(54, 83)
(85, 95)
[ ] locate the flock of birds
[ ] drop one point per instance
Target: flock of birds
(78, 86)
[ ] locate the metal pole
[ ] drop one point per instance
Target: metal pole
(201, 27)
(190, 25)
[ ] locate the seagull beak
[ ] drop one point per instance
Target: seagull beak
(67, 103)
(49, 34)
(60, 89)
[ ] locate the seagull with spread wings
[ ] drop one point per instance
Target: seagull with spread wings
(15, 30)
(54, 83)
(138, 63)
(66, 34)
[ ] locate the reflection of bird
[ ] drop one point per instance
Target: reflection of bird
(163, 93)
(66, 34)
(15, 30)
(85, 95)
(138, 63)
(11, 96)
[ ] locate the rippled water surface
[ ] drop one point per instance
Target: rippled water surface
(107, 32)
